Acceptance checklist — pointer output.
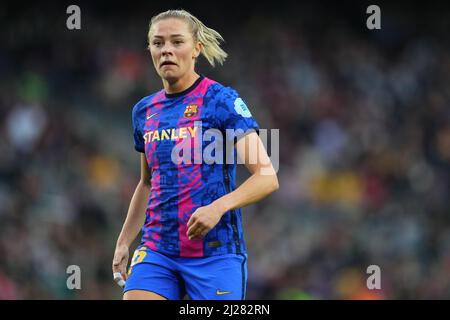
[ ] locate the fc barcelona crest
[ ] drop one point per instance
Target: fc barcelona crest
(191, 110)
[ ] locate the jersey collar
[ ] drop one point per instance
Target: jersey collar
(182, 93)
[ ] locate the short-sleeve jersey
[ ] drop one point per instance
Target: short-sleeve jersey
(189, 142)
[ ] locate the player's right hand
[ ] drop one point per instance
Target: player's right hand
(119, 265)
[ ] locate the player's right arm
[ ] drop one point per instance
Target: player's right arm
(134, 220)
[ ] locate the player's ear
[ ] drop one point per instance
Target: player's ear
(197, 49)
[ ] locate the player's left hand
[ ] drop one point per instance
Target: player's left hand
(202, 221)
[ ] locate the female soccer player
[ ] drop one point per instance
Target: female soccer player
(189, 210)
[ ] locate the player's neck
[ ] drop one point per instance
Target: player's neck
(180, 84)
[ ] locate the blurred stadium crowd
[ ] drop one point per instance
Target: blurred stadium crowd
(364, 119)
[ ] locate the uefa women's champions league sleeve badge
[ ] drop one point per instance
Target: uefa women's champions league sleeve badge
(241, 108)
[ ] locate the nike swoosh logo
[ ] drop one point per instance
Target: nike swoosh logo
(218, 292)
(152, 115)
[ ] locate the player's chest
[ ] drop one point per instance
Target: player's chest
(170, 124)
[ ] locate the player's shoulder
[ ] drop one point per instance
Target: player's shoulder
(221, 90)
(144, 102)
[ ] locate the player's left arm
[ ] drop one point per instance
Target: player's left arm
(262, 182)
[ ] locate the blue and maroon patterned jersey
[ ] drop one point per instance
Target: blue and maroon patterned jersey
(171, 127)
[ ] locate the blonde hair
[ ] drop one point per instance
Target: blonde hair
(209, 38)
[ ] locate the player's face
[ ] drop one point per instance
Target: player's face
(172, 48)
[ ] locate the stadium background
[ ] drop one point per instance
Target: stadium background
(364, 134)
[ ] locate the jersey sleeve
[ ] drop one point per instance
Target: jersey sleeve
(137, 129)
(233, 113)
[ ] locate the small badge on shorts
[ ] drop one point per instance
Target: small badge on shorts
(215, 244)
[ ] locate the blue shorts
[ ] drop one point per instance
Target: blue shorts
(220, 277)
